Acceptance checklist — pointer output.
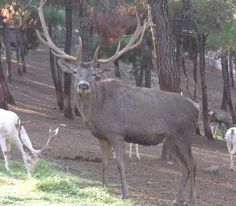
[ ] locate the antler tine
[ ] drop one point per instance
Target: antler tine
(139, 30)
(52, 135)
(49, 43)
(18, 126)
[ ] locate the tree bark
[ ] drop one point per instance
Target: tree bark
(166, 63)
(85, 30)
(54, 72)
(6, 92)
(186, 79)
(6, 33)
(201, 41)
(225, 72)
(224, 103)
(146, 62)
(117, 68)
(3, 102)
(22, 52)
(17, 52)
(194, 60)
(231, 69)
(67, 76)
(59, 92)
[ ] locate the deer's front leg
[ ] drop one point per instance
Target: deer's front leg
(137, 153)
(232, 158)
(105, 149)
(130, 150)
(119, 147)
(6, 148)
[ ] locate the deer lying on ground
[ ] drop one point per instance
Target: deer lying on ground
(216, 129)
(13, 131)
(116, 112)
(230, 137)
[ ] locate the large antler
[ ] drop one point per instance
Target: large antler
(55, 50)
(52, 135)
(18, 126)
(139, 30)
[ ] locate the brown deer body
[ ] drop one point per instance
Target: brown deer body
(116, 113)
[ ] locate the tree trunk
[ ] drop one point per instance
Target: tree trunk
(179, 41)
(224, 103)
(85, 30)
(231, 69)
(194, 60)
(67, 76)
(6, 33)
(59, 91)
(117, 68)
(146, 62)
(166, 64)
(22, 52)
(17, 52)
(3, 102)
(55, 78)
(186, 79)
(138, 70)
(201, 41)
(6, 93)
(225, 71)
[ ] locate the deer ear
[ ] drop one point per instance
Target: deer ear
(105, 72)
(66, 66)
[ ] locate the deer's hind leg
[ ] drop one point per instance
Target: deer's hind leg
(105, 149)
(183, 156)
(119, 148)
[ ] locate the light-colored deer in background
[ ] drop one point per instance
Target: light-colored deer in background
(13, 131)
(130, 151)
(230, 137)
(116, 112)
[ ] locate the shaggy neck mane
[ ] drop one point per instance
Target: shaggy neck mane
(87, 104)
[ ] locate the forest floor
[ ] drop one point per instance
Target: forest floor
(150, 181)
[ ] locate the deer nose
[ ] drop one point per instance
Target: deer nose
(83, 86)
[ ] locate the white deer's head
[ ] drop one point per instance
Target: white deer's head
(30, 155)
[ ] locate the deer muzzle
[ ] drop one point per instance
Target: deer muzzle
(83, 87)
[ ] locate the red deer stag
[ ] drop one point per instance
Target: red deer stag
(116, 112)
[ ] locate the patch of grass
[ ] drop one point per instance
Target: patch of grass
(49, 186)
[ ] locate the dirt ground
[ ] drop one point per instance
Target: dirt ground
(150, 181)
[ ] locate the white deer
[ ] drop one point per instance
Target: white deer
(230, 137)
(13, 131)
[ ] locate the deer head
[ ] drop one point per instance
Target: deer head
(31, 156)
(86, 72)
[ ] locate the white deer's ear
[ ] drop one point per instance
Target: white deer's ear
(66, 66)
